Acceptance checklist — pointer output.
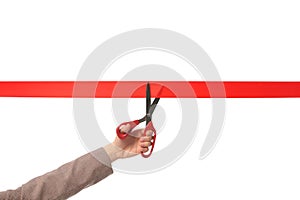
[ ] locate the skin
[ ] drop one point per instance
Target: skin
(132, 145)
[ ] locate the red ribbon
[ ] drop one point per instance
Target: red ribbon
(136, 89)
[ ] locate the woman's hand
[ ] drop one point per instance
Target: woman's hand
(132, 145)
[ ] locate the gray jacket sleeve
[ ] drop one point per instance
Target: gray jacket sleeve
(65, 181)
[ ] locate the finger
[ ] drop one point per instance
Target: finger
(145, 144)
(144, 149)
(149, 133)
(146, 138)
(137, 133)
(125, 128)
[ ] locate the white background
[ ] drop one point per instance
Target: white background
(257, 156)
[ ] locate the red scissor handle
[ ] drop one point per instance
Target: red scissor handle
(150, 127)
(123, 135)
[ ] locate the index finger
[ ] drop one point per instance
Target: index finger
(149, 133)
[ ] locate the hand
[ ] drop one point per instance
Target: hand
(132, 145)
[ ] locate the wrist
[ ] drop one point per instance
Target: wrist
(113, 152)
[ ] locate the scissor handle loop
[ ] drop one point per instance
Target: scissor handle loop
(150, 127)
(123, 135)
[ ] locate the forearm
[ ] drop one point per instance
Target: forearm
(67, 180)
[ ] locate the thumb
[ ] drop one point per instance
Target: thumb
(125, 128)
(137, 133)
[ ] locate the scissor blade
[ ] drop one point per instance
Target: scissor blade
(153, 105)
(148, 102)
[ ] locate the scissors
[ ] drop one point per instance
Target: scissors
(148, 118)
